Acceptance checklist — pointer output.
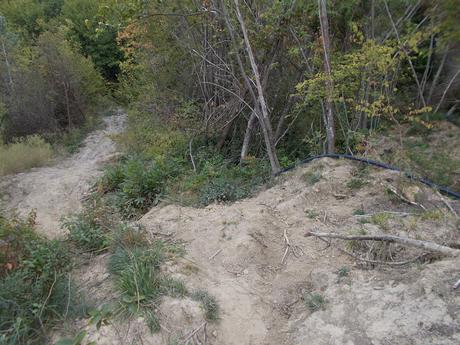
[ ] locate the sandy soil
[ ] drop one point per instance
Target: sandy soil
(235, 252)
(56, 191)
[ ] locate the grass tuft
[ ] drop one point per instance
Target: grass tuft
(208, 302)
(314, 301)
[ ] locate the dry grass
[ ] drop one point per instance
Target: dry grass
(24, 154)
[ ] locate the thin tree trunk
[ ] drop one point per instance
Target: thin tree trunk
(447, 89)
(414, 73)
(264, 119)
(329, 118)
(247, 137)
(437, 75)
(66, 93)
(8, 67)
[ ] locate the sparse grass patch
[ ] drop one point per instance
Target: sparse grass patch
(356, 183)
(311, 177)
(23, 154)
(208, 302)
(432, 215)
(312, 214)
(381, 220)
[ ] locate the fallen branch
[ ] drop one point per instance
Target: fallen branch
(215, 254)
(402, 197)
(195, 331)
(430, 246)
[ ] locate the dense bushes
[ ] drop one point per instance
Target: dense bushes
(50, 87)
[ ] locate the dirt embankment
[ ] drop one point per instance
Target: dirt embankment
(316, 295)
(56, 191)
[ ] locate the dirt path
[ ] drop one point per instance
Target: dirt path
(56, 191)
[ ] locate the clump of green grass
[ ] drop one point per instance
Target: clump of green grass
(312, 178)
(343, 271)
(314, 301)
(136, 271)
(23, 154)
(208, 302)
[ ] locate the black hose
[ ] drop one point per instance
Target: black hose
(427, 182)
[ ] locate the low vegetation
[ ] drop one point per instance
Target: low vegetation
(24, 154)
(314, 301)
(36, 291)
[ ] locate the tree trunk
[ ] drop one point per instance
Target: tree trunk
(329, 118)
(263, 117)
(247, 136)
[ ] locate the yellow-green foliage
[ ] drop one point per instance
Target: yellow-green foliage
(24, 154)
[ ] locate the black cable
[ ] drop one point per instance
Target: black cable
(427, 182)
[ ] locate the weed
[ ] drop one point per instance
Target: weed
(314, 301)
(356, 183)
(86, 232)
(343, 271)
(381, 220)
(101, 317)
(312, 214)
(359, 212)
(311, 177)
(208, 302)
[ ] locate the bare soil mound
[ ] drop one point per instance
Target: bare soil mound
(310, 293)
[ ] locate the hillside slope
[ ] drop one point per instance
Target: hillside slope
(313, 293)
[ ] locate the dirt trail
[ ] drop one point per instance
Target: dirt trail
(56, 191)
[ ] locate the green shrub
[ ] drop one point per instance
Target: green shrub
(222, 190)
(86, 232)
(24, 154)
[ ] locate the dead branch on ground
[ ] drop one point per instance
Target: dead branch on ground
(430, 246)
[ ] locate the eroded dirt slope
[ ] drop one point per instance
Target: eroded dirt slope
(236, 253)
(56, 191)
